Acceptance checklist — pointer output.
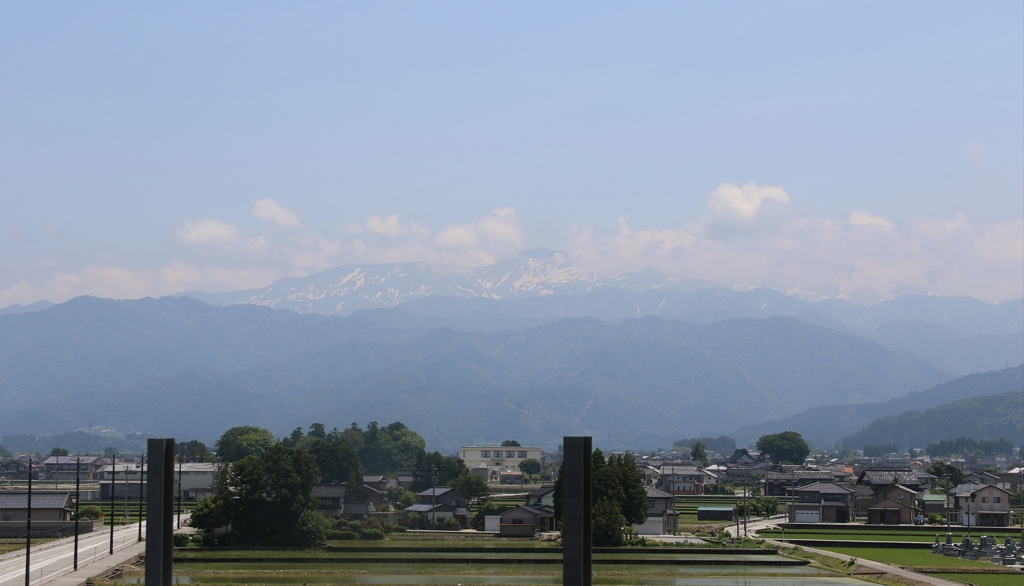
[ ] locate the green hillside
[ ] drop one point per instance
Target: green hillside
(824, 426)
(978, 418)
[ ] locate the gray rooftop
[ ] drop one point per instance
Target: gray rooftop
(40, 500)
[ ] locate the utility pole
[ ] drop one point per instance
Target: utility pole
(142, 471)
(178, 524)
(113, 483)
(28, 527)
(78, 497)
(433, 496)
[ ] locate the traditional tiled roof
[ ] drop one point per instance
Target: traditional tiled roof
(40, 500)
(71, 459)
(329, 490)
(438, 491)
(542, 491)
(693, 470)
(654, 493)
(426, 508)
(800, 475)
(825, 488)
(877, 477)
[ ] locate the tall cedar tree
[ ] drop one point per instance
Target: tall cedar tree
(619, 497)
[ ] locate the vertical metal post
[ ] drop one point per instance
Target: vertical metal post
(160, 512)
(177, 524)
(577, 510)
(142, 473)
(113, 484)
(78, 497)
(28, 527)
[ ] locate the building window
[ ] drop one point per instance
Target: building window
(510, 454)
(997, 500)
(984, 499)
(485, 454)
(521, 454)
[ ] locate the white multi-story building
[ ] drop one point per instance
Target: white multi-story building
(497, 456)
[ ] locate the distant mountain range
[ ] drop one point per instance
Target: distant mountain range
(984, 417)
(177, 365)
(542, 284)
(827, 425)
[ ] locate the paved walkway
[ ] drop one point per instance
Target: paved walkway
(877, 566)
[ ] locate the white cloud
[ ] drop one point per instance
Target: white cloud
(121, 283)
(744, 202)
(272, 211)
(859, 218)
(207, 232)
(457, 236)
(389, 226)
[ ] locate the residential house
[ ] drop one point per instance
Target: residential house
(67, 467)
(662, 518)
(782, 483)
(862, 499)
(893, 505)
(925, 481)
(741, 457)
(448, 496)
(980, 478)
(879, 479)
(822, 502)
(541, 497)
(979, 505)
(377, 481)
(431, 514)
(526, 521)
(347, 501)
(685, 479)
(46, 506)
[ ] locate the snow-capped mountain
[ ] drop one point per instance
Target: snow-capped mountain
(532, 273)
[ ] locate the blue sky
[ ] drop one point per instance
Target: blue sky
(826, 149)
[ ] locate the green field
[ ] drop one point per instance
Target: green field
(986, 579)
(906, 557)
(7, 545)
(869, 535)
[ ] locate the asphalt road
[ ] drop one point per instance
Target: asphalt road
(56, 558)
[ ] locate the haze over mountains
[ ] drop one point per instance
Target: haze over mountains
(543, 284)
(477, 369)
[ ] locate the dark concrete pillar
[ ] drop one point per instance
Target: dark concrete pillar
(159, 512)
(577, 509)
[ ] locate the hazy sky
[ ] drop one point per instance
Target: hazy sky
(860, 149)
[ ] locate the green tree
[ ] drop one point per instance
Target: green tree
(317, 430)
(508, 443)
(242, 441)
(471, 485)
(336, 461)
(619, 497)
(948, 475)
(530, 466)
(399, 498)
(193, 451)
(784, 448)
(90, 512)
(59, 452)
(699, 452)
(446, 470)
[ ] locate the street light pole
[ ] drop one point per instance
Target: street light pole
(113, 483)
(180, 460)
(142, 472)
(28, 527)
(78, 486)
